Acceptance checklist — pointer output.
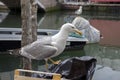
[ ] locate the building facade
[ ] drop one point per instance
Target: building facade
(105, 0)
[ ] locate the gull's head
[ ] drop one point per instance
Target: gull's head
(80, 7)
(68, 27)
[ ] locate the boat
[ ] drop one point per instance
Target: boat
(10, 38)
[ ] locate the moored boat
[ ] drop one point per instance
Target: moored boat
(10, 38)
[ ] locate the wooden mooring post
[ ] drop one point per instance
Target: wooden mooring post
(29, 26)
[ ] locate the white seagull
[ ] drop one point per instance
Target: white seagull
(79, 11)
(49, 47)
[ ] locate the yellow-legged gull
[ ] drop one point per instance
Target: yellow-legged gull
(48, 47)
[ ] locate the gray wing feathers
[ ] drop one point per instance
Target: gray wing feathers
(39, 49)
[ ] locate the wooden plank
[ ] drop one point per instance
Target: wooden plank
(27, 78)
(17, 75)
(31, 71)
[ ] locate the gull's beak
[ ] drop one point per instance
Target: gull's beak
(77, 31)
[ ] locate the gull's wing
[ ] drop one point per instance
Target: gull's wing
(39, 49)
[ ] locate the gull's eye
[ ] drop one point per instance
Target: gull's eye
(72, 27)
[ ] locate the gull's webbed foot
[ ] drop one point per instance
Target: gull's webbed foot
(55, 62)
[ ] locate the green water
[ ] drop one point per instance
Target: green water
(107, 54)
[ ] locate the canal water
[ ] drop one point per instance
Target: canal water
(107, 51)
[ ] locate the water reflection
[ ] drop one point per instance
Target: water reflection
(109, 29)
(108, 60)
(3, 15)
(6, 75)
(50, 21)
(9, 62)
(106, 56)
(8, 65)
(11, 20)
(105, 73)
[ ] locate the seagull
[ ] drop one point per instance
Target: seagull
(79, 11)
(49, 47)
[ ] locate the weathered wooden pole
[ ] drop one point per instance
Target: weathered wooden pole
(29, 26)
(34, 19)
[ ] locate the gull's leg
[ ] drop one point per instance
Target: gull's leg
(46, 64)
(54, 62)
